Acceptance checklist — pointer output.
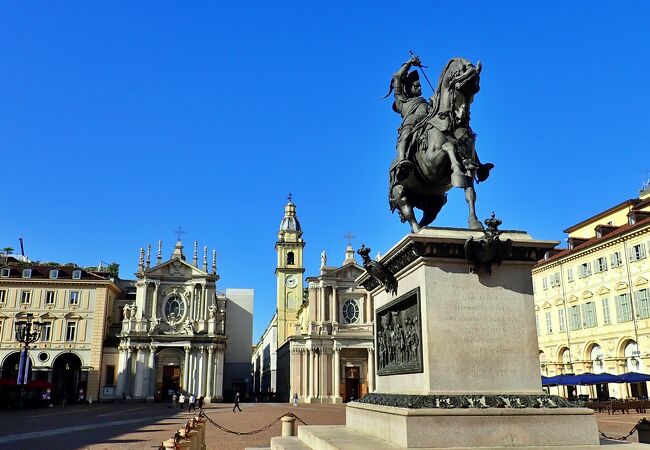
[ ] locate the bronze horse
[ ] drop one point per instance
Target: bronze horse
(441, 150)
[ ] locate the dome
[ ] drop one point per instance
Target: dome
(290, 220)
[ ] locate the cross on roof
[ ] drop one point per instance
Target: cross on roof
(348, 237)
(180, 232)
(289, 197)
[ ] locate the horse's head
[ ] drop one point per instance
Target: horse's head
(457, 85)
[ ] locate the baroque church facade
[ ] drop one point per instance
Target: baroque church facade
(323, 350)
(179, 334)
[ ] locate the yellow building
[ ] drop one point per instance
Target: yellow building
(74, 306)
(592, 300)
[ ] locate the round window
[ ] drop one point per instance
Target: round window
(350, 311)
(174, 309)
(42, 357)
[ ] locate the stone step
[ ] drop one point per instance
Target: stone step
(287, 443)
(328, 437)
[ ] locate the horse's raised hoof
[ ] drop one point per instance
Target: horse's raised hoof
(474, 224)
(483, 172)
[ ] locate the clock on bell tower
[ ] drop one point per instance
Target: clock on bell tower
(289, 271)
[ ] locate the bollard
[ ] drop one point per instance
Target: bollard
(288, 426)
(643, 427)
(200, 422)
(169, 444)
(184, 443)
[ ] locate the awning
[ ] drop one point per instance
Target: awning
(594, 378)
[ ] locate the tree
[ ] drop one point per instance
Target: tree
(113, 269)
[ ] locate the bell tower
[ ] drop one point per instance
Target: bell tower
(289, 271)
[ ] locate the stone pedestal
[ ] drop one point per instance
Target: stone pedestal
(456, 357)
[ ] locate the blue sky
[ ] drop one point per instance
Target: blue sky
(120, 121)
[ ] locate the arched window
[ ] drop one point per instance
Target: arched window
(597, 359)
(290, 261)
(632, 356)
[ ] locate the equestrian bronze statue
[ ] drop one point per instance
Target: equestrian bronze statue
(435, 144)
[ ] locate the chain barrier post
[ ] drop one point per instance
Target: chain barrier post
(200, 423)
(288, 426)
(643, 427)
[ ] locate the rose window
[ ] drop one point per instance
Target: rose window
(350, 311)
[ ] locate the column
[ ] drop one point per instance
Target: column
(200, 390)
(335, 305)
(322, 386)
(186, 368)
(121, 372)
(337, 373)
(369, 309)
(312, 390)
(152, 370)
(154, 301)
(370, 375)
(305, 374)
(203, 313)
(321, 304)
(139, 381)
(208, 390)
(128, 384)
(218, 390)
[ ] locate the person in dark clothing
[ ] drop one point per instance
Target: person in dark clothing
(236, 402)
(199, 403)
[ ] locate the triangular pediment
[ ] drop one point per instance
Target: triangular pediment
(603, 291)
(572, 299)
(177, 268)
(536, 308)
(347, 272)
(640, 281)
(559, 302)
(621, 286)
(587, 294)
(547, 305)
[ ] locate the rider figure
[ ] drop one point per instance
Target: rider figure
(412, 107)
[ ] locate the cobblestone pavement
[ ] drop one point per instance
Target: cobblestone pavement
(145, 426)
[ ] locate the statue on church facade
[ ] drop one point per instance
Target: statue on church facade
(435, 144)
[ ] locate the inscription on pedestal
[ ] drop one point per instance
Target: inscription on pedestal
(485, 327)
(399, 335)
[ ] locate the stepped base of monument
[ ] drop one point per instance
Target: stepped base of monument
(380, 427)
(340, 437)
(474, 427)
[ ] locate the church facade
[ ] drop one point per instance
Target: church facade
(324, 347)
(175, 332)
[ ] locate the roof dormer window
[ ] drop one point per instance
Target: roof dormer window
(4, 272)
(54, 274)
(76, 274)
(27, 273)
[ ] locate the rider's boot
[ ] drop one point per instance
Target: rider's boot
(403, 169)
(483, 172)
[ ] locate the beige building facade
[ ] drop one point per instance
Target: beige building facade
(592, 301)
(74, 306)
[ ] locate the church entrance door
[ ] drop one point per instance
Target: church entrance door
(171, 381)
(351, 384)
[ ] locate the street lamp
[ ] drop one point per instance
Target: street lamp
(26, 332)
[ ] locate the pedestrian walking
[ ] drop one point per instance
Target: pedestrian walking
(181, 400)
(174, 400)
(236, 402)
(123, 397)
(199, 402)
(295, 399)
(192, 404)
